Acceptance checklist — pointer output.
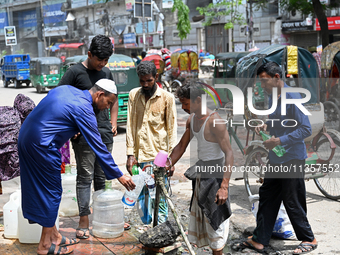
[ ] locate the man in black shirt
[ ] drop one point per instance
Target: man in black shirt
(83, 76)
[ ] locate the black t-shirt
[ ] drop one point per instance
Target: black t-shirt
(82, 78)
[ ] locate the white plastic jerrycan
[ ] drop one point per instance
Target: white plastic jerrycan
(10, 211)
(29, 233)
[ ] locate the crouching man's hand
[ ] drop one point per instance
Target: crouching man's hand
(127, 182)
(221, 196)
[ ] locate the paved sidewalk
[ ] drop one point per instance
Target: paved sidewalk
(123, 245)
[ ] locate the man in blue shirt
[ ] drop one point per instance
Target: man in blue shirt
(286, 187)
(64, 112)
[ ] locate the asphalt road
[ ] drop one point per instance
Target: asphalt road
(323, 214)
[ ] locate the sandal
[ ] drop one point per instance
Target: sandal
(71, 241)
(84, 236)
(51, 250)
(305, 248)
(127, 226)
(246, 245)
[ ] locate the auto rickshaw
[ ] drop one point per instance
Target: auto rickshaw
(184, 64)
(160, 65)
(45, 72)
(330, 67)
(72, 61)
(224, 72)
(123, 69)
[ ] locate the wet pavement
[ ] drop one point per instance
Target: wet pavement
(123, 245)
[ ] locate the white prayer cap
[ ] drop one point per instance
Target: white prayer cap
(108, 85)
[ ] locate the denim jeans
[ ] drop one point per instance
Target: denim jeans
(88, 170)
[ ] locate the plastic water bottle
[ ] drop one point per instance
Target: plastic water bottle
(68, 205)
(135, 170)
(108, 212)
(150, 182)
(130, 197)
(278, 150)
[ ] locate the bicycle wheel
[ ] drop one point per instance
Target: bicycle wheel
(329, 185)
(253, 173)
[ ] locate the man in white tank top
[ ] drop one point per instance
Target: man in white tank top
(210, 207)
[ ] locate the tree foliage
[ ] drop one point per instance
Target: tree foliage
(3, 53)
(225, 8)
(306, 7)
(312, 7)
(183, 24)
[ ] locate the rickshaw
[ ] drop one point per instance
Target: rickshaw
(224, 72)
(322, 146)
(184, 64)
(160, 65)
(45, 72)
(330, 67)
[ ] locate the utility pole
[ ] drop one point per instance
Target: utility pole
(143, 11)
(43, 27)
(247, 28)
(9, 24)
(251, 23)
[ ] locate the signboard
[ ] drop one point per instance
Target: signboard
(130, 4)
(333, 23)
(53, 16)
(28, 19)
(3, 20)
(10, 35)
(138, 11)
(78, 3)
(256, 30)
(129, 38)
(167, 3)
(296, 25)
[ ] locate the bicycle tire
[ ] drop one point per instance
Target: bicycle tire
(253, 175)
(329, 185)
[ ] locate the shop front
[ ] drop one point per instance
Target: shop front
(333, 28)
(300, 33)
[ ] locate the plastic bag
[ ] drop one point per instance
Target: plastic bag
(144, 206)
(282, 228)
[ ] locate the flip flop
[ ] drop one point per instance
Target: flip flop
(128, 226)
(84, 236)
(305, 248)
(64, 244)
(246, 245)
(52, 249)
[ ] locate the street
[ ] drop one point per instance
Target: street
(323, 213)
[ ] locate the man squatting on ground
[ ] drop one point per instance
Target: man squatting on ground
(64, 112)
(288, 188)
(210, 206)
